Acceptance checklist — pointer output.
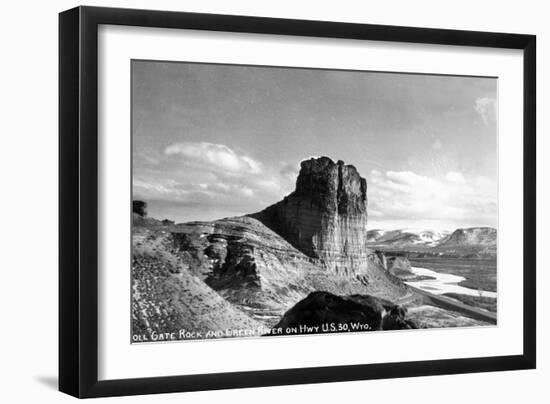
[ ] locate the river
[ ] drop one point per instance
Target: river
(444, 283)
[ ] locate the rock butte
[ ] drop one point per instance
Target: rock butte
(326, 216)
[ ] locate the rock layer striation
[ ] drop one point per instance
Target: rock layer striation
(326, 216)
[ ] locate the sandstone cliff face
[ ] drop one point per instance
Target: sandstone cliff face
(326, 216)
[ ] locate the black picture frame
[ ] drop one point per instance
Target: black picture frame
(78, 201)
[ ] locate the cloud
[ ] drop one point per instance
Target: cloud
(451, 200)
(486, 107)
(289, 173)
(206, 181)
(454, 176)
(437, 145)
(214, 156)
(187, 193)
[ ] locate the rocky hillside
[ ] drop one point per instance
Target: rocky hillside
(236, 266)
(167, 297)
(261, 273)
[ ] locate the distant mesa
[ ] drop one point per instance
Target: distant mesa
(471, 237)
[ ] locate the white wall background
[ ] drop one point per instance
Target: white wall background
(28, 170)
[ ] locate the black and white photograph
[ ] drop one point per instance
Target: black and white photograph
(275, 202)
(279, 201)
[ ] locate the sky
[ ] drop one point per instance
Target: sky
(213, 141)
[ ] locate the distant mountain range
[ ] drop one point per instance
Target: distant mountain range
(401, 238)
(480, 237)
